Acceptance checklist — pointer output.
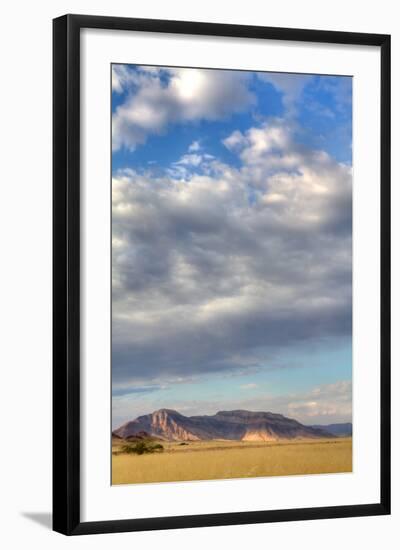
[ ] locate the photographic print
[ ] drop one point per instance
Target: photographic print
(221, 274)
(231, 274)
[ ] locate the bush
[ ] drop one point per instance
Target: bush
(142, 447)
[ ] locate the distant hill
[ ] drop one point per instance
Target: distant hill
(235, 425)
(341, 430)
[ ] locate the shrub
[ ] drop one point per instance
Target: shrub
(142, 447)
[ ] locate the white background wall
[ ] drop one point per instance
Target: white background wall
(25, 289)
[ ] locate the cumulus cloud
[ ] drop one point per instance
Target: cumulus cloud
(122, 77)
(323, 403)
(166, 96)
(217, 269)
(290, 85)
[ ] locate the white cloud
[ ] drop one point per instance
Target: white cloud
(124, 77)
(257, 142)
(235, 142)
(299, 186)
(182, 169)
(222, 262)
(170, 96)
(191, 160)
(290, 85)
(331, 401)
(118, 77)
(250, 386)
(194, 147)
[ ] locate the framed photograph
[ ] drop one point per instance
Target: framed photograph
(221, 274)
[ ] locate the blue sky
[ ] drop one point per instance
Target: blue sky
(231, 242)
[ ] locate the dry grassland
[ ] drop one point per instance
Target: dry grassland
(233, 459)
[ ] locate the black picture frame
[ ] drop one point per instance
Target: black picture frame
(66, 273)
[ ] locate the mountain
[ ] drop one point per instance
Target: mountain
(341, 430)
(236, 425)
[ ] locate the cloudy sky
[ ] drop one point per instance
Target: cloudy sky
(231, 242)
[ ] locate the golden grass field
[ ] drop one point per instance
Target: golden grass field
(232, 459)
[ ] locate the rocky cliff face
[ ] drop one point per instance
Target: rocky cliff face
(235, 425)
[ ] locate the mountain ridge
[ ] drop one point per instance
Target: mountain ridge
(237, 424)
(340, 429)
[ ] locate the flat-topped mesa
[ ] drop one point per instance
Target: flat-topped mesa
(231, 425)
(167, 411)
(240, 415)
